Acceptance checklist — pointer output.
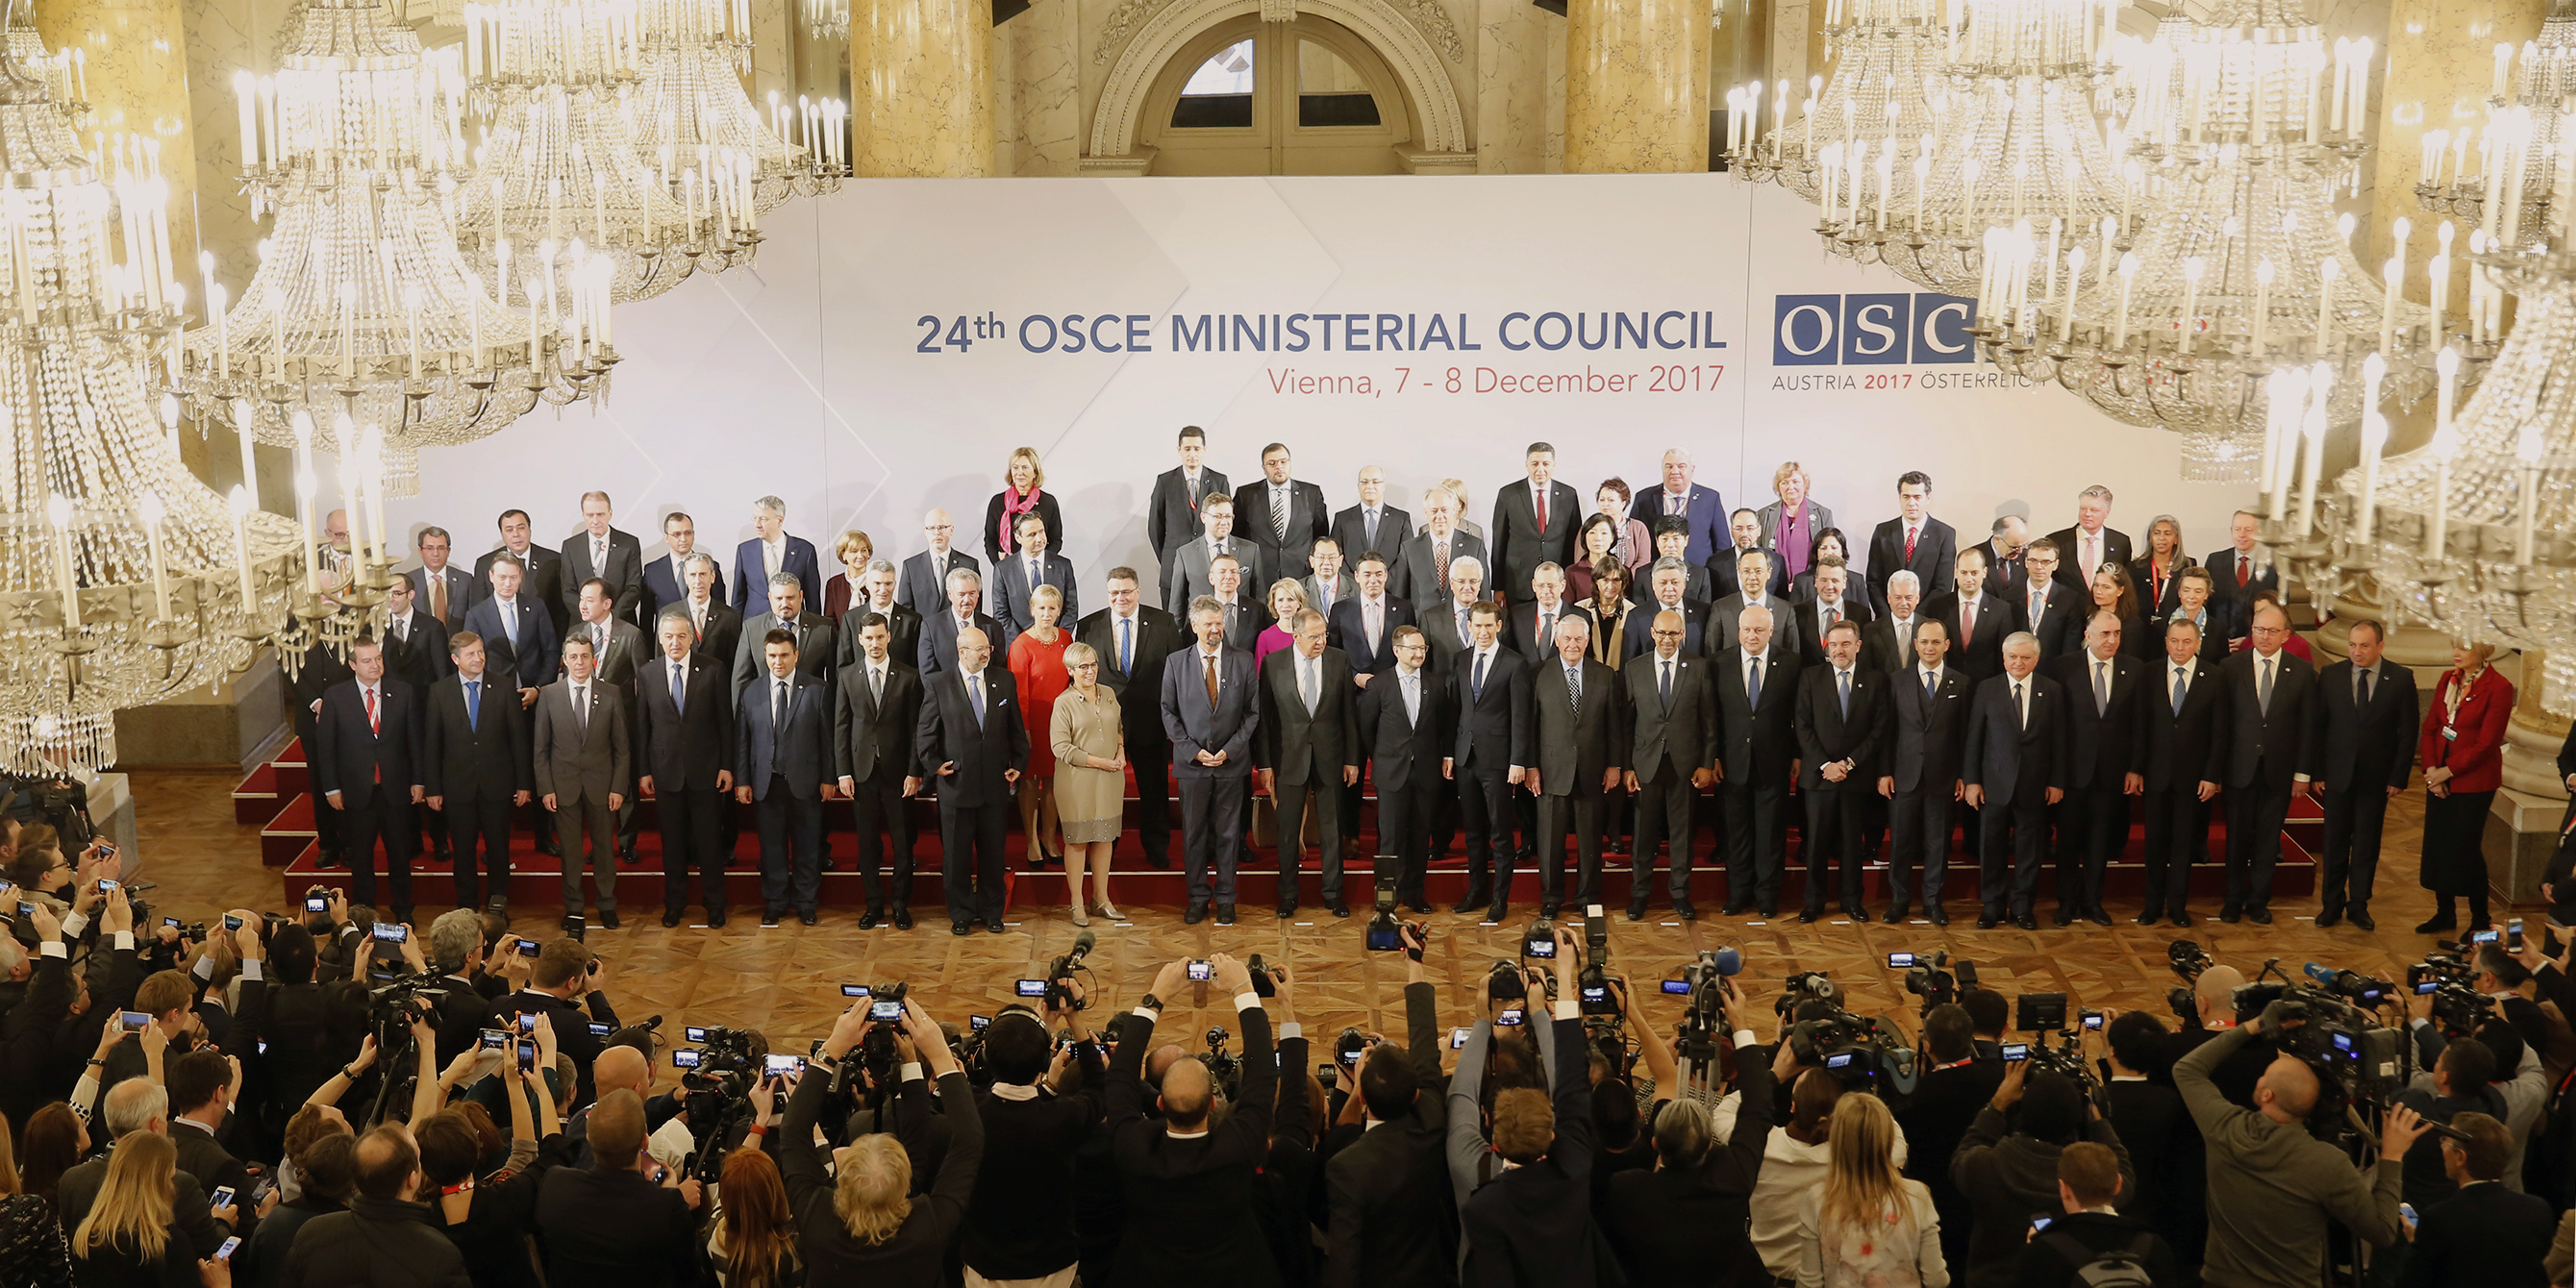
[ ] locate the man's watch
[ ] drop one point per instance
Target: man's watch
(1149, 1002)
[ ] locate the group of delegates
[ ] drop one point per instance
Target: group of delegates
(1631, 674)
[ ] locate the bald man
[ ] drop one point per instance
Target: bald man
(974, 744)
(618, 1068)
(924, 587)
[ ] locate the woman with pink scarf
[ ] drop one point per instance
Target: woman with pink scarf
(1023, 492)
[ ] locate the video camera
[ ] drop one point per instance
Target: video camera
(1592, 983)
(2358, 1061)
(1704, 1018)
(1224, 1070)
(1926, 978)
(1807, 986)
(1861, 1052)
(2188, 961)
(1385, 930)
(2042, 1015)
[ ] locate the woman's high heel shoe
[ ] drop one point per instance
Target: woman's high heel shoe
(1079, 918)
(1110, 910)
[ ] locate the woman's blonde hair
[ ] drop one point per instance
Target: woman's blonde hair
(1077, 653)
(1862, 1183)
(1037, 471)
(873, 1195)
(133, 1204)
(1049, 593)
(1290, 585)
(855, 540)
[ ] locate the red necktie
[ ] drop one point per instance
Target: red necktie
(374, 725)
(1967, 623)
(1909, 545)
(1539, 495)
(2241, 564)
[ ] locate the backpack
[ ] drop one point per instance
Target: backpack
(2124, 1267)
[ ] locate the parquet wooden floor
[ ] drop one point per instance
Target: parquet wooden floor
(784, 980)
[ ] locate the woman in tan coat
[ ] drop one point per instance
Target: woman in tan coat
(1090, 778)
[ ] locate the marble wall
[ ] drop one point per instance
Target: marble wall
(1519, 104)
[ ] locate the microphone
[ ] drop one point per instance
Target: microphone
(1082, 945)
(1729, 961)
(2321, 974)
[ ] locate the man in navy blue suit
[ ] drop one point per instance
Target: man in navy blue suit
(518, 636)
(783, 756)
(666, 579)
(1490, 690)
(973, 743)
(1210, 713)
(771, 550)
(366, 767)
(1701, 507)
(2014, 768)
(1019, 576)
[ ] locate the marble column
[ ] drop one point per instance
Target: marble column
(135, 53)
(2522, 826)
(929, 86)
(2440, 62)
(1636, 86)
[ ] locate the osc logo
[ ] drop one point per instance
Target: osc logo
(1871, 330)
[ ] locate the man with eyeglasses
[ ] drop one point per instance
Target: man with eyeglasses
(2270, 749)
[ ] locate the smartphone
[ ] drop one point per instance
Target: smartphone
(263, 1046)
(1037, 987)
(784, 1066)
(2016, 1051)
(26, 909)
(527, 1055)
(2407, 1210)
(133, 1020)
(224, 1251)
(854, 990)
(231, 922)
(495, 1039)
(885, 1011)
(1458, 1039)
(601, 1028)
(2093, 1020)
(105, 885)
(1681, 986)
(390, 932)
(2039, 1223)
(1202, 971)
(978, 1023)
(2513, 934)
(222, 1197)
(2484, 937)
(316, 903)
(1509, 1015)
(528, 1023)
(694, 1033)
(1900, 961)
(530, 948)
(684, 1059)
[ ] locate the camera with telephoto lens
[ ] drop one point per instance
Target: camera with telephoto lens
(1862, 1053)
(1058, 997)
(2358, 1061)
(2187, 961)
(1592, 982)
(1504, 982)
(2352, 985)
(1385, 930)
(1935, 980)
(1806, 986)
(1224, 1070)
(1704, 1017)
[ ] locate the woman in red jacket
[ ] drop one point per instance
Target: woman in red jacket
(2463, 755)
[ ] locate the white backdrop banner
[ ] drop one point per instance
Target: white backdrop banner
(898, 339)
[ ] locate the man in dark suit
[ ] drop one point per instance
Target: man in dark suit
(783, 760)
(875, 717)
(1839, 717)
(2106, 758)
(366, 767)
(2182, 712)
(1535, 519)
(1372, 524)
(1211, 712)
(924, 585)
(719, 628)
(2009, 539)
(1402, 721)
(1757, 690)
(1172, 515)
(1837, 600)
(1580, 724)
(1184, 1164)
(959, 611)
(1913, 540)
(1365, 623)
(1701, 508)
(1018, 577)
(475, 766)
(2245, 566)
(1280, 516)
(1132, 640)
(2268, 742)
(518, 636)
(1394, 1217)
(684, 739)
(1672, 757)
(1753, 567)
(1489, 689)
(415, 642)
(1977, 621)
(811, 632)
(1927, 732)
(1726, 567)
(2050, 609)
(1308, 749)
(770, 552)
(1535, 1217)
(1667, 578)
(1192, 572)
(2484, 1235)
(1247, 613)
(584, 766)
(1421, 573)
(876, 595)
(599, 551)
(321, 670)
(973, 741)
(2015, 762)
(2366, 734)
(2085, 547)
(1887, 642)
(540, 573)
(442, 589)
(666, 579)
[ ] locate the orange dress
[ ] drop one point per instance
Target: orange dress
(1037, 668)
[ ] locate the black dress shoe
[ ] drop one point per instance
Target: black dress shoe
(868, 920)
(2259, 916)
(1767, 909)
(2439, 925)
(626, 855)
(2231, 915)
(772, 916)
(2064, 916)
(1194, 914)
(2027, 921)
(2097, 915)
(608, 918)
(1418, 904)
(715, 918)
(992, 927)
(1936, 915)
(957, 928)
(550, 846)
(902, 917)
(332, 859)
(670, 917)
(1337, 907)
(1808, 916)
(2147, 918)
(1636, 912)
(807, 915)
(2328, 917)
(1225, 914)
(2179, 917)
(1682, 908)
(1548, 908)
(1856, 912)
(2362, 919)
(1988, 920)
(1286, 910)
(1498, 912)
(1734, 908)
(1896, 915)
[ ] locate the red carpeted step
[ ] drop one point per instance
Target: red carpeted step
(288, 831)
(256, 800)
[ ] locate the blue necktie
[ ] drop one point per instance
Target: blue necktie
(474, 705)
(1479, 694)
(1845, 702)
(1931, 685)
(2178, 692)
(1126, 644)
(1753, 687)
(679, 689)
(975, 697)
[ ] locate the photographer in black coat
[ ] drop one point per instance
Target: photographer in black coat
(2088, 1192)
(2006, 1165)
(1686, 1222)
(1042, 1105)
(1957, 1082)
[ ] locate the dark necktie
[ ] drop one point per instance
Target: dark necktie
(2101, 686)
(1126, 645)
(778, 729)
(2179, 689)
(1477, 691)
(975, 696)
(1753, 686)
(1931, 685)
(474, 705)
(1843, 678)
(1574, 688)
(1664, 683)
(679, 687)
(2021, 713)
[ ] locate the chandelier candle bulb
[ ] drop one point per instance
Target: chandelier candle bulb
(150, 508)
(2128, 280)
(2074, 277)
(2438, 280)
(1922, 173)
(2393, 275)
(241, 508)
(2313, 450)
(2503, 60)
(372, 473)
(2374, 439)
(1886, 169)
(246, 96)
(223, 331)
(305, 487)
(59, 509)
(2192, 269)
(2048, 287)
(348, 329)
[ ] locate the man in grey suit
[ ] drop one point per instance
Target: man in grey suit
(1210, 714)
(811, 632)
(783, 758)
(1672, 757)
(1576, 719)
(1535, 520)
(1018, 577)
(1309, 749)
(1372, 524)
(1172, 517)
(925, 575)
(2015, 763)
(1927, 731)
(583, 765)
(1445, 625)
(445, 591)
(1790, 524)
(601, 552)
(616, 646)
(1280, 515)
(1330, 583)
(1189, 576)
(1421, 572)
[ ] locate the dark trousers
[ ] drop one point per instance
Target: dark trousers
(486, 819)
(1918, 832)
(791, 847)
(1835, 815)
(1525, 806)
(572, 817)
(1151, 759)
(691, 838)
(1325, 791)
(970, 857)
(2254, 814)
(1757, 838)
(1663, 814)
(1212, 832)
(2351, 859)
(370, 813)
(2012, 846)
(1485, 815)
(2177, 822)
(2092, 829)
(1404, 829)
(882, 810)
(326, 820)
(2455, 858)
(1581, 810)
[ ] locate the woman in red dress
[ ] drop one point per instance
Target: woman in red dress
(1037, 668)
(2463, 755)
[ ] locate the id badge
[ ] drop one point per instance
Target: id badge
(2450, 734)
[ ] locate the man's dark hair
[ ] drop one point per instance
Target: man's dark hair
(1948, 1033)
(328, 1168)
(1614, 1113)
(779, 635)
(1016, 1049)
(1987, 1011)
(2137, 1041)
(2468, 1066)
(1916, 477)
(2052, 1108)
(2488, 1147)
(2494, 960)
(386, 1160)
(2505, 1041)
(195, 1078)
(290, 954)
(1387, 1082)
(1671, 523)
(1189, 432)
(876, 619)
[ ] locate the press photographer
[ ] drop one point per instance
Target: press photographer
(1393, 1221)
(860, 1223)
(1045, 1100)
(2006, 1166)
(1198, 1177)
(1686, 1222)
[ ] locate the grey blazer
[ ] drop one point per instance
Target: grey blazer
(578, 760)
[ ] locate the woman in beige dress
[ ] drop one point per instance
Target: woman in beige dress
(1090, 778)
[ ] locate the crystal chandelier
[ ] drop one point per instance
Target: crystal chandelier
(2237, 265)
(2526, 121)
(696, 129)
(1886, 56)
(362, 305)
(825, 19)
(126, 579)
